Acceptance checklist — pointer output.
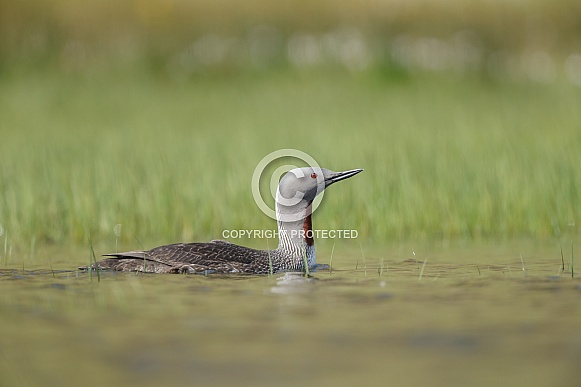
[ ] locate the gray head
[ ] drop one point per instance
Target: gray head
(299, 187)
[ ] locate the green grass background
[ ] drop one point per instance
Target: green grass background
(444, 157)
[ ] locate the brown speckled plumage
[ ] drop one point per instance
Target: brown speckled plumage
(213, 257)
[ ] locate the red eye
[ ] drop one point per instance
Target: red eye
(314, 175)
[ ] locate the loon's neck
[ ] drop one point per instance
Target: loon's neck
(296, 238)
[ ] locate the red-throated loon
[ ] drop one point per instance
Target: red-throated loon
(296, 192)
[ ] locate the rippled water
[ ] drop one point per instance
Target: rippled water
(394, 321)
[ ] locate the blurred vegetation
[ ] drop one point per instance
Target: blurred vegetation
(178, 38)
(444, 158)
(154, 114)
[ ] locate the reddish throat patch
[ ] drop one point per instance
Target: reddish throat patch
(308, 229)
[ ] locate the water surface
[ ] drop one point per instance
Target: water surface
(384, 319)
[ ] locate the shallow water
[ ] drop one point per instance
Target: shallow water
(455, 320)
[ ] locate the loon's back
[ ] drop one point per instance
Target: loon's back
(216, 257)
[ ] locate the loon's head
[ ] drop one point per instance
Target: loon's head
(300, 186)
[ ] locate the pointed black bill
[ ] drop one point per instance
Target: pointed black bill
(338, 176)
